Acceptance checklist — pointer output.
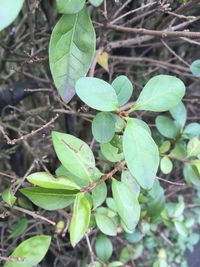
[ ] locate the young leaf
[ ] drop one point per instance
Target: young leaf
(191, 175)
(103, 127)
(19, 228)
(46, 180)
(193, 147)
(96, 3)
(71, 50)
(165, 146)
(49, 199)
(8, 197)
(141, 154)
(161, 93)
(166, 165)
(103, 247)
(192, 130)
(111, 153)
(106, 224)
(99, 194)
(70, 7)
(195, 68)
(128, 179)
(9, 11)
(179, 113)
(119, 123)
(126, 203)
(80, 218)
(31, 251)
(75, 155)
(123, 88)
(167, 127)
(97, 94)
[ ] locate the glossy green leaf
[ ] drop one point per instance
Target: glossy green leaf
(103, 247)
(19, 228)
(126, 203)
(97, 94)
(161, 93)
(106, 224)
(71, 50)
(69, 6)
(128, 179)
(75, 155)
(31, 251)
(167, 127)
(103, 127)
(141, 154)
(195, 68)
(166, 165)
(123, 88)
(46, 180)
(179, 113)
(192, 130)
(8, 197)
(80, 219)
(9, 11)
(111, 152)
(96, 3)
(99, 194)
(49, 199)
(193, 147)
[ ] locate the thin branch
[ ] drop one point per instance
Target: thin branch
(90, 250)
(170, 182)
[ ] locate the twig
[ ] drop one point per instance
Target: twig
(94, 62)
(169, 182)
(90, 250)
(8, 175)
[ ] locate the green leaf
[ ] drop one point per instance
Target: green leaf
(161, 93)
(128, 179)
(141, 154)
(142, 124)
(167, 127)
(123, 88)
(126, 203)
(75, 155)
(165, 147)
(96, 3)
(103, 127)
(195, 68)
(192, 130)
(70, 7)
(191, 175)
(181, 228)
(103, 247)
(19, 228)
(71, 50)
(49, 199)
(179, 151)
(46, 180)
(106, 224)
(193, 147)
(111, 203)
(97, 94)
(116, 264)
(80, 218)
(166, 165)
(8, 197)
(32, 251)
(111, 152)
(119, 123)
(179, 113)
(99, 194)
(9, 11)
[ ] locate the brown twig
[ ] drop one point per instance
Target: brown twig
(170, 182)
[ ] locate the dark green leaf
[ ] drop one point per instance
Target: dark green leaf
(70, 7)
(123, 88)
(97, 94)
(71, 50)
(19, 228)
(103, 247)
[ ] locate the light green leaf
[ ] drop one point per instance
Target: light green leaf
(191, 175)
(195, 68)
(179, 113)
(123, 88)
(46, 180)
(165, 147)
(71, 50)
(141, 154)
(111, 152)
(80, 218)
(119, 123)
(75, 155)
(193, 147)
(167, 127)
(179, 151)
(99, 194)
(96, 3)
(161, 93)
(192, 130)
(111, 203)
(103, 127)
(49, 199)
(19, 228)
(103, 247)
(31, 251)
(116, 264)
(181, 228)
(106, 224)
(69, 6)
(178, 209)
(142, 124)
(166, 165)
(8, 197)
(97, 94)
(9, 11)
(126, 203)
(128, 179)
